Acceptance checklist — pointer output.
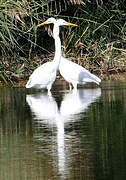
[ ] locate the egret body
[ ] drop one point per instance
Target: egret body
(45, 75)
(73, 73)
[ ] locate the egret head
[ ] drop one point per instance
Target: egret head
(48, 21)
(59, 22)
(62, 22)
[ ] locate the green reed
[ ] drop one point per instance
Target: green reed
(100, 36)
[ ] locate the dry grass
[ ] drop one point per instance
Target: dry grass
(99, 42)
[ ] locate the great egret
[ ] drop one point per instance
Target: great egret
(74, 73)
(45, 75)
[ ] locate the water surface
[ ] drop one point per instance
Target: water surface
(64, 136)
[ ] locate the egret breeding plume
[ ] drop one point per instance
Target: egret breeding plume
(45, 75)
(72, 72)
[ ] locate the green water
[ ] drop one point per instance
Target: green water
(74, 136)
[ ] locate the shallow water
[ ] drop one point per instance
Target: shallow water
(67, 135)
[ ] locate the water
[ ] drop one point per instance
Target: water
(74, 136)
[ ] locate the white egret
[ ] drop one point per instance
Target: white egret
(74, 73)
(45, 75)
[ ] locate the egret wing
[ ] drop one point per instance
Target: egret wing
(43, 75)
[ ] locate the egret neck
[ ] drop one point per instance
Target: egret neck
(57, 40)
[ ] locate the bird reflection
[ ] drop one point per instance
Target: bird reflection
(44, 108)
(77, 102)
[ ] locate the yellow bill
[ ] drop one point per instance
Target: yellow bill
(70, 24)
(42, 24)
(63, 23)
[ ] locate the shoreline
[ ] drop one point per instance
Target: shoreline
(59, 80)
(12, 73)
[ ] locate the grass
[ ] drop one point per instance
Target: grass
(100, 38)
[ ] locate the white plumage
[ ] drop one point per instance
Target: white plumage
(76, 74)
(45, 75)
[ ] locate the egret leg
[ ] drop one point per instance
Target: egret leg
(70, 87)
(75, 86)
(49, 89)
(49, 94)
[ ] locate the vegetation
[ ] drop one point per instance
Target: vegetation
(98, 43)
